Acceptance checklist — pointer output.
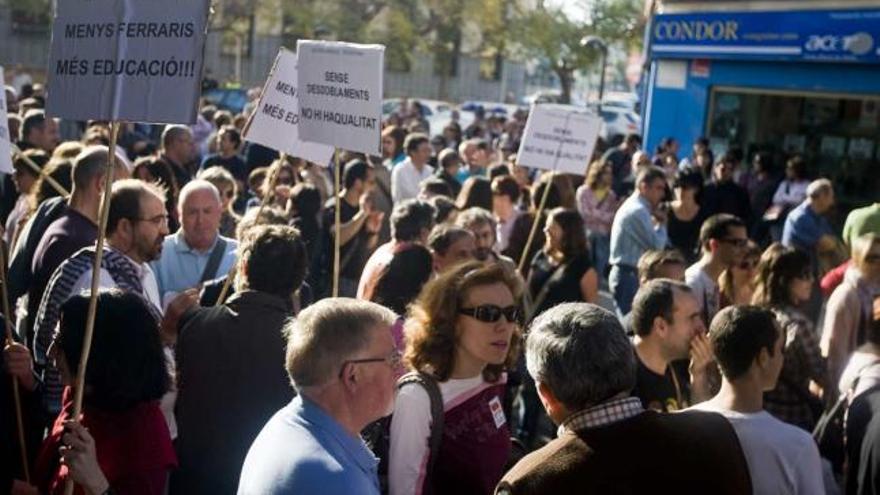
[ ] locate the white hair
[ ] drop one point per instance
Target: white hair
(819, 187)
(197, 185)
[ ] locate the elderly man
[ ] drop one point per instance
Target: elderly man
(197, 252)
(179, 150)
(341, 359)
(230, 362)
(584, 368)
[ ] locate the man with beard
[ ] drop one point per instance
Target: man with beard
(481, 223)
(136, 227)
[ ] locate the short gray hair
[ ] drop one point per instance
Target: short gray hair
(474, 216)
(819, 187)
(327, 333)
(196, 185)
(580, 352)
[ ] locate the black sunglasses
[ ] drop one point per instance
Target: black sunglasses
(490, 313)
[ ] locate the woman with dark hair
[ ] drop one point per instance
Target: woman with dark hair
(392, 146)
(476, 191)
(121, 442)
(597, 204)
(462, 333)
(156, 170)
(784, 282)
(522, 227)
(563, 270)
(399, 284)
(686, 216)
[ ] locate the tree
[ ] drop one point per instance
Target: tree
(549, 35)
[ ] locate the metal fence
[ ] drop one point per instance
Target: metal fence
(31, 52)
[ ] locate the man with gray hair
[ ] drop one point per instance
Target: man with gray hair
(197, 252)
(584, 368)
(341, 360)
(805, 226)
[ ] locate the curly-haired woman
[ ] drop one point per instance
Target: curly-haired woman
(463, 332)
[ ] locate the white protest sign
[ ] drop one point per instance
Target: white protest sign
(127, 60)
(275, 122)
(340, 86)
(5, 137)
(560, 138)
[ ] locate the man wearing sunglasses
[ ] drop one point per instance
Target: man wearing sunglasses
(341, 359)
(723, 240)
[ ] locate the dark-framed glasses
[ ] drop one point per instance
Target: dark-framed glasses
(490, 313)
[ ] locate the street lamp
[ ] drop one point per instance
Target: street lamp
(596, 43)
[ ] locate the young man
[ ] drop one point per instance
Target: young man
(668, 327)
(723, 239)
(228, 146)
(406, 177)
(748, 346)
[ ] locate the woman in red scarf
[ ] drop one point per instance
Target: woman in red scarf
(121, 444)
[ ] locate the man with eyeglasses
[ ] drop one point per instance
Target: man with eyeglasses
(197, 252)
(136, 226)
(230, 362)
(723, 240)
(341, 359)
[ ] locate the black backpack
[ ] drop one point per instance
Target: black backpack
(377, 434)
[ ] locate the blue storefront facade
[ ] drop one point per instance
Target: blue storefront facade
(782, 82)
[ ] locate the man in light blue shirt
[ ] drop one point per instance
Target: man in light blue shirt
(341, 359)
(186, 254)
(638, 226)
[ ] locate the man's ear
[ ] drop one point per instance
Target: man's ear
(554, 408)
(659, 325)
(763, 358)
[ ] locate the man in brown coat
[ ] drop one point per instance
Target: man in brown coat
(584, 368)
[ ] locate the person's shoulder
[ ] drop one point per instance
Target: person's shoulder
(556, 465)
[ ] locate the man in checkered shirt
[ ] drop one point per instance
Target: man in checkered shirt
(584, 369)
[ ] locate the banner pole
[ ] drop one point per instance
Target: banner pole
(96, 279)
(273, 179)
(525, 254)
(338, 228)
(10, 339)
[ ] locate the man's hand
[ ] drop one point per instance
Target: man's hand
(78, 454)
(18, 363)
(374, 222)
(660, 213)
(702, 359)
(176, 308)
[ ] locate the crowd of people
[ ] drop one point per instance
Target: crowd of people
(676, 321)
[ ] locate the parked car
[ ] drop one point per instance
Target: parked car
(231, 99)
(437, 113)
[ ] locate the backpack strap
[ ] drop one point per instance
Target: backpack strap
(429, 383)
(214, 260)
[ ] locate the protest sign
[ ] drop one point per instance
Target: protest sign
(560, 138)
(129, 60)
(5, 135)
(340, 88)
(275, 122)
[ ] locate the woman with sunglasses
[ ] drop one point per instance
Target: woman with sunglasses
(563, 270)
(737, 283)
(783, 283)
(281, 177)
(463, 332)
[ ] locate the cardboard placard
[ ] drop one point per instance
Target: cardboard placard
(127, 60)
(340, 87)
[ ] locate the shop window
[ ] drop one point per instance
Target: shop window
(838, 134)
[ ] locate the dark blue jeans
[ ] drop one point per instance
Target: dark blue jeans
(624, 283)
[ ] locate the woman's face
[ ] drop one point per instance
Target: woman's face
(480, 343)
(746, 268)
(553, 234)
(227, 193)
(800, 287)
(388, 147)
(607, 176)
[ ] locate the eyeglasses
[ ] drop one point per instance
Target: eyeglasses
(158, 219)
(490, 313)
(872, 258)
(394, 360)
(284, 180)
(805, 275)
(736, 242)
(748, 264)
(229, 193)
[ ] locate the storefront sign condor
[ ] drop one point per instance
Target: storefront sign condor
(818, 35)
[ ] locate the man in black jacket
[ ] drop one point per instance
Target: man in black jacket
(230, 363)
